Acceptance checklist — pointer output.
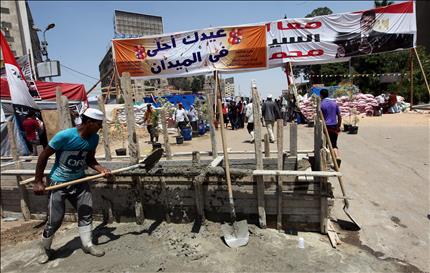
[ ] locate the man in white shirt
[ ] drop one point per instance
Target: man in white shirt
(250, 116)
(181, 117)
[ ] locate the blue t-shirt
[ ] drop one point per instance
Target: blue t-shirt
(70, 154)
(330, 109)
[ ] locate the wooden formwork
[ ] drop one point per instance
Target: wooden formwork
(272, 192)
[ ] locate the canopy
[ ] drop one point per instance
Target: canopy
(47, 90)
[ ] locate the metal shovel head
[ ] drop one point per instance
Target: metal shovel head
(237, 234)
(152, 159)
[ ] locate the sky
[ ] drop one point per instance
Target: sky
(84, 29)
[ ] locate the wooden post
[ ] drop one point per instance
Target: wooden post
(422, 70)
(198, 188)
(256, 109)
(22, 190)
(323, 192)
(411, 77)
(266, 146)
(106, 143)
(210, 103)
(65, 121)
(293, 139)
(167, 149)
(165, 198)
(317, 136)
(133, 145)
(280, 166)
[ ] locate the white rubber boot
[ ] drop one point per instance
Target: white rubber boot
(46, 251)
(252, 137)
(87, 244)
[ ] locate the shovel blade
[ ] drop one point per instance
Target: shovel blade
(345, 209)
(237, 234)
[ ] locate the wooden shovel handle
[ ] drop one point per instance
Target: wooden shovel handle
(88, 178)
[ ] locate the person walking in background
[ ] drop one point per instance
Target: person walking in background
(250, 116)
(240, 113)
(192, 117)
(232, 114)
(148, 118)
(333, 120)
(225, 114)
(181, 117)
(270, 113)
(31, 125)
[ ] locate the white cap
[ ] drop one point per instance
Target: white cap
(94, 114)
(269, 96)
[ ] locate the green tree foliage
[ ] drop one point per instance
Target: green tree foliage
(197, 83)
(180, 83)
(319, 12)
(382, 3)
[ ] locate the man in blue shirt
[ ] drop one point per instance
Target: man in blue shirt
(74, 150)
(332, 119)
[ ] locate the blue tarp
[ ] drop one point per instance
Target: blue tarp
(316, 90)
(186, 100)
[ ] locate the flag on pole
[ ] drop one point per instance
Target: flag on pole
(22, 101)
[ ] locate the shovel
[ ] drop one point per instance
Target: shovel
(336, 168)
(235, 234)
(147, 164)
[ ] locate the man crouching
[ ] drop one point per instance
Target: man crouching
(74, 150)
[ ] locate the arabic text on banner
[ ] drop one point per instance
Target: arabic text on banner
(336, 37)
(188, 53)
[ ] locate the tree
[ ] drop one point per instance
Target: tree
(197, 83)
(319, 12)
(382, 3)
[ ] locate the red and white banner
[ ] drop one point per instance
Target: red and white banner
(336, 37)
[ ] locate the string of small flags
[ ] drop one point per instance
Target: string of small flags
(355, 75)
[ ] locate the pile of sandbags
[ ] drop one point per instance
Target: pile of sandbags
(139, 112)
(359, 104)
(362, 103)
(307, 107)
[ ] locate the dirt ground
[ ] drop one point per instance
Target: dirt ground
(386, 171)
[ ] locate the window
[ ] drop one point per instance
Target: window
(5, 10)
(6, 25)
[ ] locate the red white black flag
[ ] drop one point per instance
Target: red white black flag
(23, 103)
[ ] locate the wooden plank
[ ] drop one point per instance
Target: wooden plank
(216, 161)
(293, 139)
(197, 183)
(65, 120)
(22, 191)
(256, 108)
(106, 142)
(332, 235)
(324, 217)
(167, 148)
(280, 166)
(266, 146)
(133, 146)
(165, 198)
(297, 173)
(318, 135)
(210, 103)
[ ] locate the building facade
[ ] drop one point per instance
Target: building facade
(229, 87)
(17, 27)
(129, 25)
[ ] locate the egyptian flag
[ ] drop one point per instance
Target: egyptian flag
(22, 101)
